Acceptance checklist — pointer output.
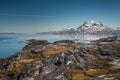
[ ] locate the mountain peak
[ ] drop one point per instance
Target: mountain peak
(93, 27)
(92, 23)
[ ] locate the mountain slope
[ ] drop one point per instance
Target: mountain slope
(88, 28)
(93, 27)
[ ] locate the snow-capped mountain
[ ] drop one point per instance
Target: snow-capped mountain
(93, 27)
(88, 28)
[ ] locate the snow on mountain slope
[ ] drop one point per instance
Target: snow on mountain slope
(93, 27)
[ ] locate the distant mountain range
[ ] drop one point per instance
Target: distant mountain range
(12, 33)
(88, 28)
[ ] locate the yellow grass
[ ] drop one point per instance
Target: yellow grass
(77, 74)
(102, 62)
(96, 72)
(26, 61)
(58, 50)
(89, 73)
(20, 65)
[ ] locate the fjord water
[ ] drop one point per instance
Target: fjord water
(12, 43)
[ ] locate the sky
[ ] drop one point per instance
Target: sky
(33, 16)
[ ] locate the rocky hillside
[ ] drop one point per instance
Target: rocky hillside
(63, 60)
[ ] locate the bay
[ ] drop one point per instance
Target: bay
(12, 43)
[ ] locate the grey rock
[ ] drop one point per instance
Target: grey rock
(114, 76)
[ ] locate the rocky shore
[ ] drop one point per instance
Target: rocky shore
(64, 60)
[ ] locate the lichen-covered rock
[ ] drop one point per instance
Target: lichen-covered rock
(54, 67)
(41, 60)
(114, 76)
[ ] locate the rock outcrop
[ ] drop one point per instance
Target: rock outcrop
(53, 67)
(115, 76)
(63, 60)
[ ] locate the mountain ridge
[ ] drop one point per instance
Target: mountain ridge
(87, 28)
(93, 27)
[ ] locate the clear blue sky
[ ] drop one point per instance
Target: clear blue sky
(31, 16)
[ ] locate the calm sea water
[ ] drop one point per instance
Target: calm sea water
(11, 44)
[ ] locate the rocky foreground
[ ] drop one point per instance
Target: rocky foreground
(64, 60)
